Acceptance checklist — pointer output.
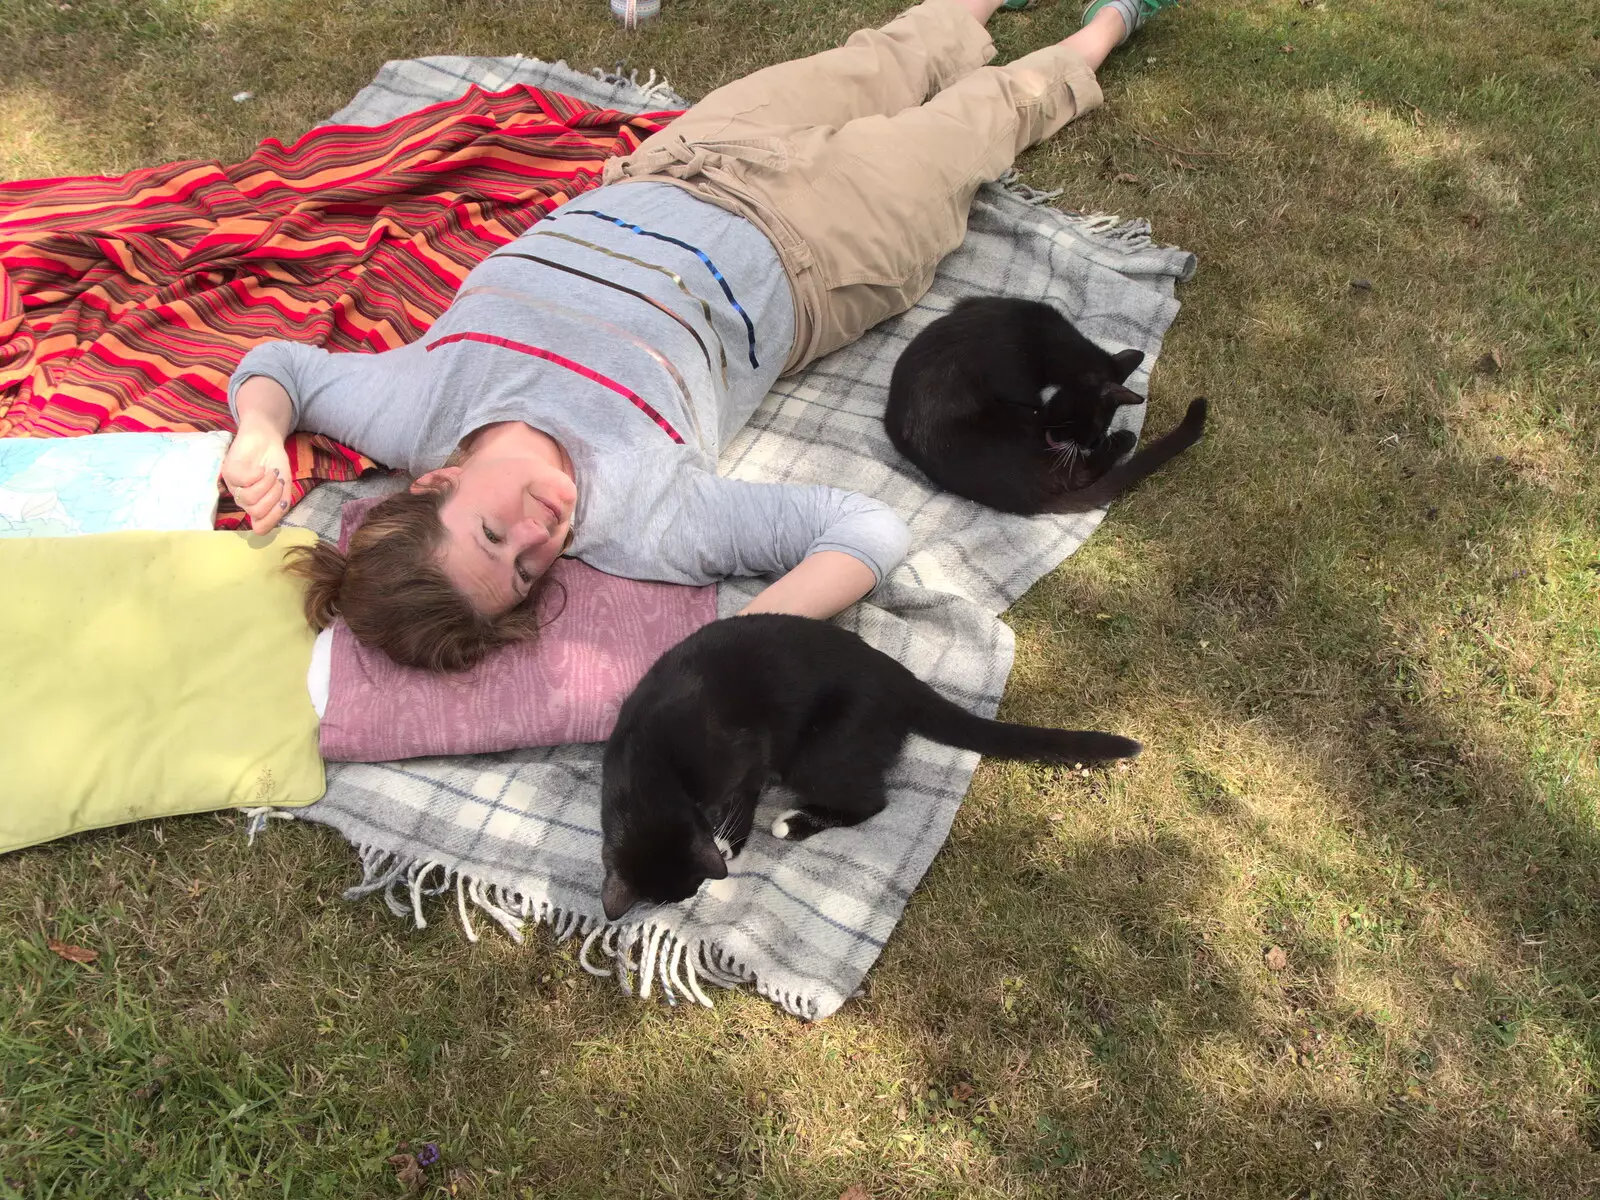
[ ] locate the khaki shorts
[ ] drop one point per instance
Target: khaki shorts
(860, 163)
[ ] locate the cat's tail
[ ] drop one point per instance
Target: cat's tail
(1146, 462)
(938, 719)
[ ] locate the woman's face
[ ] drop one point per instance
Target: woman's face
(506, 519)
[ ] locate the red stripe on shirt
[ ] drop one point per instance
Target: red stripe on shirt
(589, 373)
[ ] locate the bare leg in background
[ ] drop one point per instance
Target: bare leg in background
(1095, 41)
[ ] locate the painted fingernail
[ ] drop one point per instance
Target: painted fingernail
(277, 472)
(283, 504)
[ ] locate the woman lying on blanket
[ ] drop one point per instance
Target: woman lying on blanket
(576, 394)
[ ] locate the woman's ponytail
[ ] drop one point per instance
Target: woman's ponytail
(323, 568)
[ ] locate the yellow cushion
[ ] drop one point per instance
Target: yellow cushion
(147, 675)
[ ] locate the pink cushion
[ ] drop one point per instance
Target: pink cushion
(565, 686)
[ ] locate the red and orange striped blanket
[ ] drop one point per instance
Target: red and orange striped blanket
(126, 303)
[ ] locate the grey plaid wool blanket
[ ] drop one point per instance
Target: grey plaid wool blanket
(515, 838)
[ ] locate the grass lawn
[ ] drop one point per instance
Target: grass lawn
(1338, 934)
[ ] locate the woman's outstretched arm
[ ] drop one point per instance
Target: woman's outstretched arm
(256, 469)
(825, 547)
(374, 402)
(824, 584)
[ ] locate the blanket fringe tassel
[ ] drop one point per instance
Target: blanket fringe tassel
(1123, 235)
(256, 820)
(644, 958)
(650, 91)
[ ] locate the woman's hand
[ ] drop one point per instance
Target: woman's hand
(256, 469)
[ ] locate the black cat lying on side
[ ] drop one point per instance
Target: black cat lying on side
(750, 699)
(966, 404)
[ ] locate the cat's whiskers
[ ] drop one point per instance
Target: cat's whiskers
(1066, 453)
(723, 836)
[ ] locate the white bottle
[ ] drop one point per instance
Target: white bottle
(631, 12)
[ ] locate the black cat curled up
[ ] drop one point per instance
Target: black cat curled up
(748, 700)
(967, 404)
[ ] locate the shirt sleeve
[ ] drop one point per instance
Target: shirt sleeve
(730, 527)
(373, 402)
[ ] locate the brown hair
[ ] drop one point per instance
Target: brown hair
(394, 595)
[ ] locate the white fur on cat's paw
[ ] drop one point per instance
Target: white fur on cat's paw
(719, 889)
(780, 823)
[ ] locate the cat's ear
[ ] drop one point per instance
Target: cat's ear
(1125, 363)
(1120, 396)
(616, 896)
(708, 858)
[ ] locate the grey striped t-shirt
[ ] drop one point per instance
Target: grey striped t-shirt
(643, 340)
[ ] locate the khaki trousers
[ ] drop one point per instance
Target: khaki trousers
(860, 163)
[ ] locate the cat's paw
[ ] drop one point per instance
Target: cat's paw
(718, 889)
(797, 824)
(1120, 442)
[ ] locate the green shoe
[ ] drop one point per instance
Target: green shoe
(1134, 13)
(1016, 5)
